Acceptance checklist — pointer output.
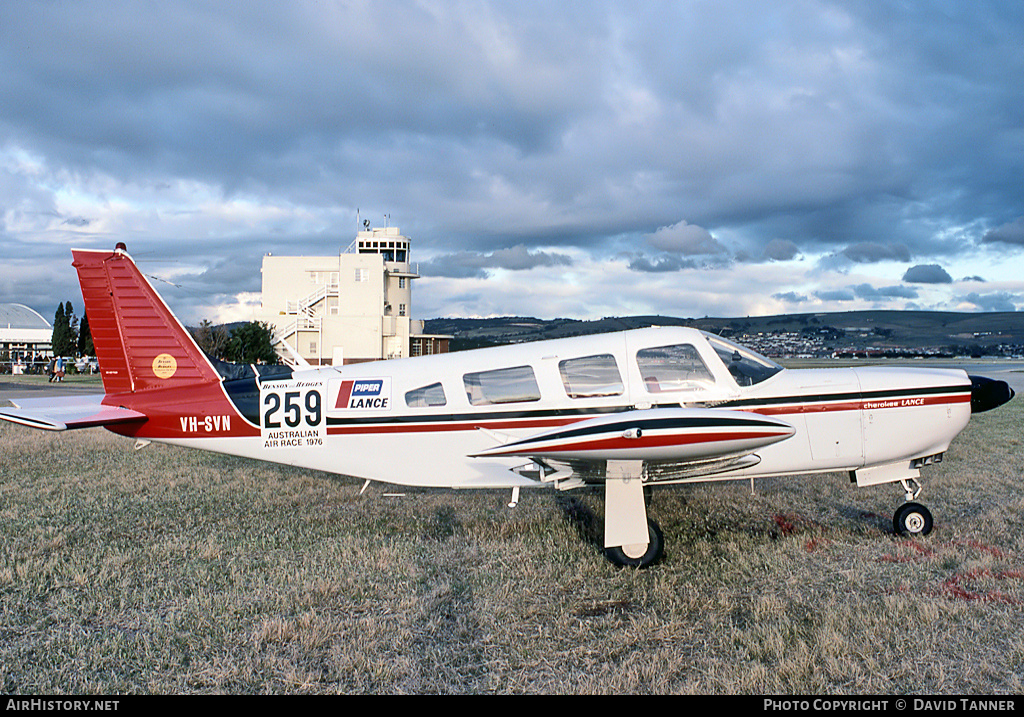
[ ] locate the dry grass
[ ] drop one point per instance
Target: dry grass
(175, 571)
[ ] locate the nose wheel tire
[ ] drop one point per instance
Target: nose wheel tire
(912, 519)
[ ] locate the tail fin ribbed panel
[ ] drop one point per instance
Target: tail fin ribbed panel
(139, 343)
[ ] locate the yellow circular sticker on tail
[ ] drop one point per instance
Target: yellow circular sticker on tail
(164, 366)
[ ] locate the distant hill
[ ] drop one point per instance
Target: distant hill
(995, 332)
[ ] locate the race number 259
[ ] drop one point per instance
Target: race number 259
(292, 409)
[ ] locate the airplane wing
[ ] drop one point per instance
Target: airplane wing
(709, 440)
(660, 434)
(67, 412)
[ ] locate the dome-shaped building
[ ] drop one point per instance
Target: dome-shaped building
(24, 334)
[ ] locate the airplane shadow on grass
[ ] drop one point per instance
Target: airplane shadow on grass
(588, 524)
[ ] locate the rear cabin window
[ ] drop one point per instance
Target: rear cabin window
(591, 376)
(505, 385)
(432, 395)
(673, 368)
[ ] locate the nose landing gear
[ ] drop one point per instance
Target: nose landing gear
(912, 519)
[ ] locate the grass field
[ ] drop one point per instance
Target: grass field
(166, 570)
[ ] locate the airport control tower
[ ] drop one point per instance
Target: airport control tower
(352, 307)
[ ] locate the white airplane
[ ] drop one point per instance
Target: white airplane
(629, 411)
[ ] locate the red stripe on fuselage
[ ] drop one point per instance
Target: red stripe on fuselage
(909, 400)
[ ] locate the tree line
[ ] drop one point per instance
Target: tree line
(246, 343)
(70, 337)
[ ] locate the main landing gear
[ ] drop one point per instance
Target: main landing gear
(912, 519)
(631, 539)
(639, 555)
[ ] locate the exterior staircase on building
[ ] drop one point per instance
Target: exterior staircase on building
(305, 316)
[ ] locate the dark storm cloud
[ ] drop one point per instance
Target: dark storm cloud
(303, 102)
(996, 301)
(1010, 233)
(835, 295)
(866, 291)
(467, 264)
(780, 250)
(927, 274)
(790, 297)
(868, 252)
(662, 264)
(682, 246)
(224, 131)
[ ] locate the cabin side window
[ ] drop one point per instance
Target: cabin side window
(673, 368)
(432, 395)
(505, 385)
(591, 376)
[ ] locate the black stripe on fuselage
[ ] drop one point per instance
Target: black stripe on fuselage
(482, 417)
(244, 394)
(754, 403)
(654, 424)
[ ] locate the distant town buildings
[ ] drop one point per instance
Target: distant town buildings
(352, 307)
(851, 344)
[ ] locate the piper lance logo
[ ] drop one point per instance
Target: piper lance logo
(164, 366)
(361, 394)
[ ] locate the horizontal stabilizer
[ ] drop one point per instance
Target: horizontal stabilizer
(67, 412)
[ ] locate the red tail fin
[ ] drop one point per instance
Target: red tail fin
(139, 343)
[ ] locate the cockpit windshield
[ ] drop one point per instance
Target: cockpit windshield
(746, 366)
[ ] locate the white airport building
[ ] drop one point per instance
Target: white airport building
(352, 307)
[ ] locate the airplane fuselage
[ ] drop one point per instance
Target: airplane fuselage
(421, 421)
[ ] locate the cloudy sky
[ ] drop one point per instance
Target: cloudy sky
(574, 159)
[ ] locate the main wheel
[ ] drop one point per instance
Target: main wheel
(640, 557)
(912, 519)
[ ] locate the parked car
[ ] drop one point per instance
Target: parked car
(87, 364)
